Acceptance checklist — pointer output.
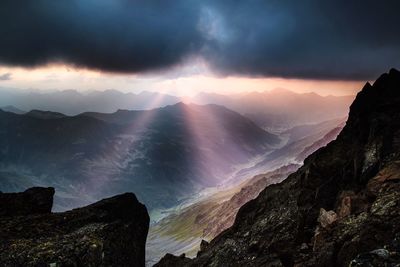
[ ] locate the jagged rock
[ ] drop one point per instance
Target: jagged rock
(203, 245)
(344, 208)
(284, 216)
(327, 218)
(326, 221)
(171, 260)
(319, 238)
(387, 256)
(111, 232)
(351, 203)
(227, 210)
(390, 173)
(35, 200)
(304, 246)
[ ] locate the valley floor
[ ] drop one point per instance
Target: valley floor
(206, 214)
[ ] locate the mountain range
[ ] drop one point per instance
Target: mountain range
(170, 154)
(274, 110)
(339, 209)
(282, 109)
(72, 102)
(164, 155)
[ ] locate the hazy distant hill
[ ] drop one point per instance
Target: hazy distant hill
(273, 110)
(39, 114)
(282, 109)
(301, 141)
(163, 155)
(12, 109)
(71, 102)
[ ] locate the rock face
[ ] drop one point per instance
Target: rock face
(111, 232)
(171, 260)
(35, 200)
(226, 211)
(340, 208)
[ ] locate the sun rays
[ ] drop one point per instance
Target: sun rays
(209, 139)
(208, 133)
(116, 157)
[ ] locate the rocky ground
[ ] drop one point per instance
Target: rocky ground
(183, 232)
(111, 232)
(341, 208)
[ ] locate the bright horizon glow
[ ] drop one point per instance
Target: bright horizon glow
(188, 79)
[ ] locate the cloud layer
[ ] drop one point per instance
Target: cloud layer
(353, 40)
(116, 36)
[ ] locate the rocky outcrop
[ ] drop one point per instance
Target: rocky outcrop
(226, 211)
(326, 139)
(340, 208)
(35, 200)
(171, 260)
(111, 232)
(182, 232)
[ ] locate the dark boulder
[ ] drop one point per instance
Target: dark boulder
(171, 260)
(111, 232)
(35, 200)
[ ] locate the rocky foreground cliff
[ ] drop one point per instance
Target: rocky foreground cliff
(340, 209)
(111, 232)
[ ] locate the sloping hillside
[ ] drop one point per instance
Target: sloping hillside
(164, 155)
(340, 208)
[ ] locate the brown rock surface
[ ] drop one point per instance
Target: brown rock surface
(111, 232)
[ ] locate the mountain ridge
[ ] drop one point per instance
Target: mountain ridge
(181, 231)
(340, 208)
(281, 110)
(90, 156)
(265, 108)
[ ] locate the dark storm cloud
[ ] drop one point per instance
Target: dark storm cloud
(307, 39)
(118, 35)
(5, 76)
(297, 39)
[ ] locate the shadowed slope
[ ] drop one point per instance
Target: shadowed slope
(111, 232)
(163, 155)
(343, 202)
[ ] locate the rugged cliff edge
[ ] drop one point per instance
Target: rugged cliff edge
(341, 208)
(111, 232)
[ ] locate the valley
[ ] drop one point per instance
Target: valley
(339, 209)
(183, 229)
(193, 166)
(199, 133)
(155, 151)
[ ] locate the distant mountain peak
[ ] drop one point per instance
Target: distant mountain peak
(280, 90)
(40, 114)
(12, 109)
(394, 71)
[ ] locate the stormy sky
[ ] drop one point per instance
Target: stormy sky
(311, 39)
